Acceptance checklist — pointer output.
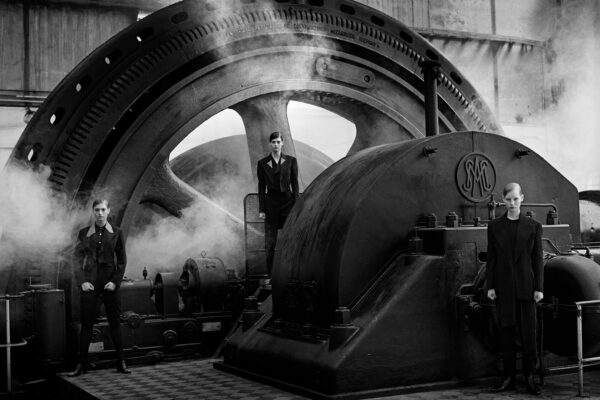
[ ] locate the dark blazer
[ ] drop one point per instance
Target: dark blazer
(108, 265)
(288, 177)
(514, 274)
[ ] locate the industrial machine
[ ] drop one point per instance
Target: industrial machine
(174, 315)
(378, 278)
(34, 323)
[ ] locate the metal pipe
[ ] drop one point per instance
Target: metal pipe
(579, 349)
(580, 359)
(493, 39)
(430, 82)
(8, 343)
(8, 361)
(541, 341)
(494, 204)
(588, 253)
(551, 205)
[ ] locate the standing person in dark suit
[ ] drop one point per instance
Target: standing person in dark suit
(277, 191)
(515, 279)
(99, 267)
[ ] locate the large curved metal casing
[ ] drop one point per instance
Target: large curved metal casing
(360, 212)
(567, 279)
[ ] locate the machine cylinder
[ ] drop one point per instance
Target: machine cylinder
(204, 284)
(50, 323)
(567, 279)
(135, 295)
(166, 293)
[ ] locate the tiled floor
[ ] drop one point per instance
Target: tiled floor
(189, 379)
(197, 379)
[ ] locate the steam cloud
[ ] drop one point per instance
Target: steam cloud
(38, 229)
(213, 225)
(572, 115)
(36, 226)
(168, 241)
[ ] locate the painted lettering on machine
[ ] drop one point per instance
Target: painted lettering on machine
(475, 177)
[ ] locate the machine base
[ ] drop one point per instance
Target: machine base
(364, 394)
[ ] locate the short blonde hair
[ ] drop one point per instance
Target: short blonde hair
(510, 187)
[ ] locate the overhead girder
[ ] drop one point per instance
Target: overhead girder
(111, 124)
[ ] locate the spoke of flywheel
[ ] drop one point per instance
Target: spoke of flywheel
(374, 129)
(171, 193)
(261, 116)
(372, 126)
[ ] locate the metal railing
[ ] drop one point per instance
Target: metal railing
(580, 359)
(8, 345)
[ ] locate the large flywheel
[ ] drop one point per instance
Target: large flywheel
(112, 122)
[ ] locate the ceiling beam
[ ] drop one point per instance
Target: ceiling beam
(474, 36)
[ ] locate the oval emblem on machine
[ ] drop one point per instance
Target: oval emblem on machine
(475, 177)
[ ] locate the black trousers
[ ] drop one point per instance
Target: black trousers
(278, 207)
(525, 333)
(90, 306)
(270, 243)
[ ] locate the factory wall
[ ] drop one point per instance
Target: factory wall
(532, 61)
(57, 38)
(33, 60)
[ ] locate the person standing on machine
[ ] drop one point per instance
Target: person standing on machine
(277, 191)
(515, 280)
(100, 261)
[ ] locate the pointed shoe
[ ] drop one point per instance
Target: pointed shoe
(506, 385)
(122, 368)
(531, 386)
(80, 369)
